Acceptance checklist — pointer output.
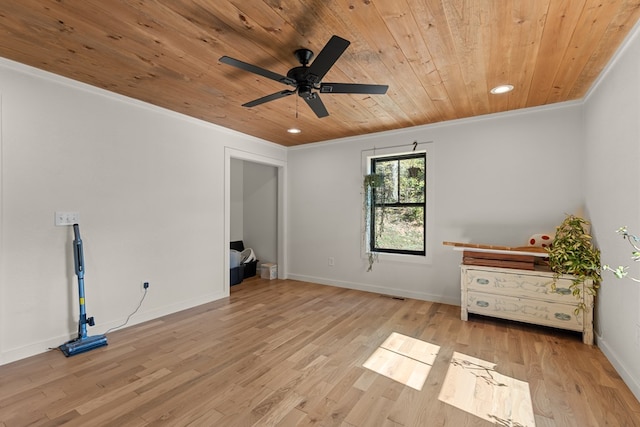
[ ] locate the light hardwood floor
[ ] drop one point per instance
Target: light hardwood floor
(291, 353)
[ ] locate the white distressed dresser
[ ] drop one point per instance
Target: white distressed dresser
(525, 296)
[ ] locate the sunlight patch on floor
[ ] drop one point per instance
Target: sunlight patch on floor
(474, 386)
(403, 359)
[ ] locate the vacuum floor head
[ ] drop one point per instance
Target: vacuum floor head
(82, 345)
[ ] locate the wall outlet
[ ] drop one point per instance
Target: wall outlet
(332, 261)
(145, 285)
(67, 218)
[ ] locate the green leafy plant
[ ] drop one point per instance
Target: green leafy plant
(634, 241)
(373, 186)
(572, 252)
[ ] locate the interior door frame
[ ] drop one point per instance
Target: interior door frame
(232, 153)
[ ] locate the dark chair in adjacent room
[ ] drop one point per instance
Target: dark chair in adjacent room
(247, 266)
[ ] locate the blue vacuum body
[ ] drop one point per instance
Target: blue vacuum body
(82, 343)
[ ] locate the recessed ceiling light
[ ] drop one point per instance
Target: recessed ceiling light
(294, 130)
(501, 89)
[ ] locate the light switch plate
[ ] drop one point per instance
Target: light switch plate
(67, 218)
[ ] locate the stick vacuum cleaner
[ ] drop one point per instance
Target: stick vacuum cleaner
(83, 342)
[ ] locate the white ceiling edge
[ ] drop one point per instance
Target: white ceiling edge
(65, 81)
(624, 46)
(431, 126)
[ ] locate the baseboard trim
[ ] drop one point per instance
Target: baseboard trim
(375, 289)
(620, 366)
(36, 348)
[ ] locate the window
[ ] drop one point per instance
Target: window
(397, 204)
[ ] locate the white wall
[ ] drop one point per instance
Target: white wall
(261, 210)
(496, 179)
(149, 185)
(612, 178)
(237, 200)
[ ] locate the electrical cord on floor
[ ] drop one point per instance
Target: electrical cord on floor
(129, 317)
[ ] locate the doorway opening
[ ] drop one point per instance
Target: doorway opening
(254, 208)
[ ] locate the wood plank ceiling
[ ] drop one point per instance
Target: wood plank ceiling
(439, 58)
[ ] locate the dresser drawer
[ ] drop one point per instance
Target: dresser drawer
(519, 285)
(541, 312)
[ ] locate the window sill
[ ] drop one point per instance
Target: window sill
(403, 258)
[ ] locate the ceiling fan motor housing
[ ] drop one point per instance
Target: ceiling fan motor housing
(299, 74)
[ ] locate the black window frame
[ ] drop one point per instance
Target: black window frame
(374, 204)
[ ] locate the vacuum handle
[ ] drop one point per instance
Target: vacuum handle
(78, 255)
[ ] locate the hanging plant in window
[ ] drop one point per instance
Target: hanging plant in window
(374, 189)
(414, 172)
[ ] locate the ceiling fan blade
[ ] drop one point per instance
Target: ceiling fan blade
(353, 88)
(268, 98)
(316, 104)
(326, 58)
(257, 70)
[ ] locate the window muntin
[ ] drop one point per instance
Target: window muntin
(398, 209)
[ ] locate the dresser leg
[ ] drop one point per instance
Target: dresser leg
(464, 315)
(587, 333)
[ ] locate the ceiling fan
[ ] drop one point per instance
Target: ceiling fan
(306, 79)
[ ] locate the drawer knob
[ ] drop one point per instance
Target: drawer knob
(563, 291)
(563, 316)
(482, 304)
(482, 281)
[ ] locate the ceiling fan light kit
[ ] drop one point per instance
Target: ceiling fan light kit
(307, 79)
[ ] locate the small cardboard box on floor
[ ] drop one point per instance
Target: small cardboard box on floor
(269, 271)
